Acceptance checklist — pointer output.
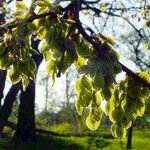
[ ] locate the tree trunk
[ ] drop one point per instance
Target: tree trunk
(7, 106)
(129, 141)
(25, 130)
(3, 74)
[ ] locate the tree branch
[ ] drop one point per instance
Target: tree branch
(84, 34)
(27, 20)
(134, 75)
(125, 69)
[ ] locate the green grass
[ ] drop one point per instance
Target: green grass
(141, 141)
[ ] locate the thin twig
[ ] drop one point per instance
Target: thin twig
(28, 20)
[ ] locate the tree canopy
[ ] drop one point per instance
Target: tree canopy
(66, 43)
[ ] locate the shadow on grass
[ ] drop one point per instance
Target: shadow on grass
(57, 143)
(97, 143)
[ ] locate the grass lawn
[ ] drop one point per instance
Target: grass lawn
(141, 141)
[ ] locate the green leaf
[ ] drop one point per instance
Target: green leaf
(42, 33)
(92, 124)
(113, 55)
(86, 83)
(32, 65)
(131, 116)
(103, 7)
(84, 97)
(3, 50)
(116, 114)
(148, 24)
(117, 68)
(92, 70)
(33, 26)
(40, 3)
(81, 100)
(106, 47)
(140, 111)
(6, 61)
(113, 129)
(21, 6)
(57, 55)
(79, 62)
(78, 86)
(14, 75)
(129, 106)
(84, 69)
(125, 122)
(51, 67)
(44, 48)
(67, 61)
(79, 107)
(107, 68)
(46, 55)
(145, 76)
(82, 50)
(110, 40)
(41, 22)
(120, 132)
(107, 108)
(96, 113)
(25, 83)
(98, 81)
(28, 68)
(107, 93)
(96, 101)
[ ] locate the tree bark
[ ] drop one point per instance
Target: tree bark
(25, 130)
(129, 140)
(7, 106)
(3, 74)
